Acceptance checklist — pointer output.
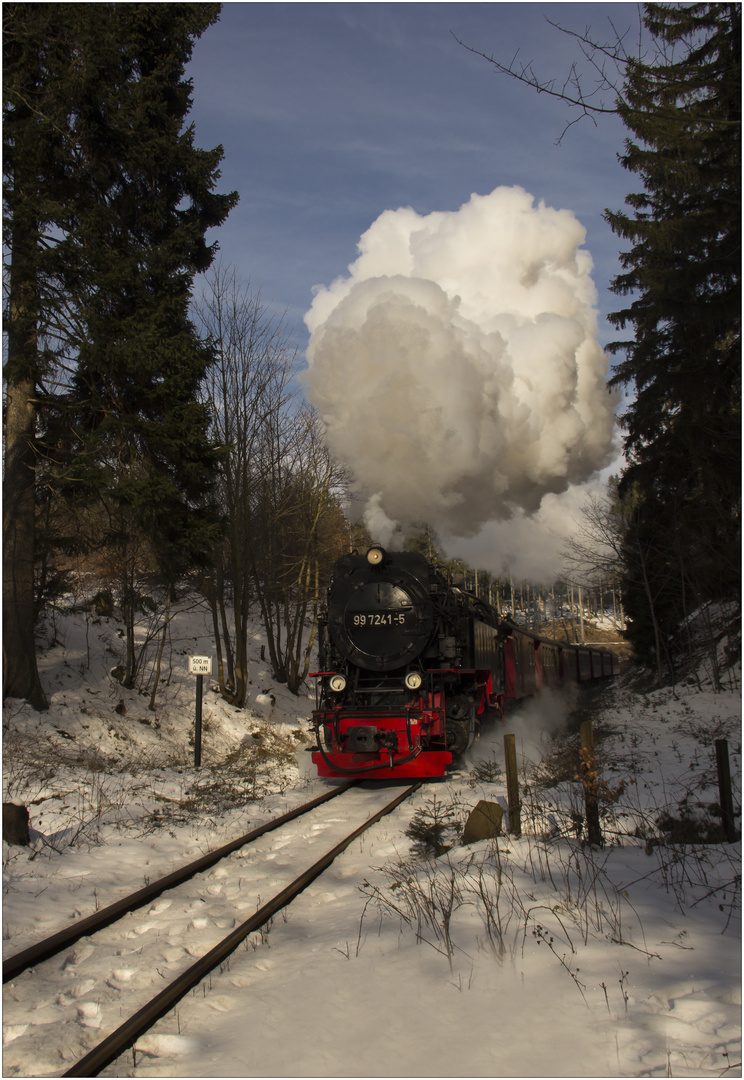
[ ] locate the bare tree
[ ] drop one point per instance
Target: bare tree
(594, 552)
(301, 531)
(277, 489)
(609, 545)
(249, 390)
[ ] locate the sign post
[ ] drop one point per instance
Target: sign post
(199, 666)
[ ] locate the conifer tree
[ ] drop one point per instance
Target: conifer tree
(679, 95)
(681, 278)
(107, 203)
(35, 52)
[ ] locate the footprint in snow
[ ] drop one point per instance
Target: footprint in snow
(200, 948)
(222, 1002)
(160, 905)
(172, 954)
(74, 992)
(89, 1014)
(141, 929)
(78, 955)
(164, 1045)
(12, 1031)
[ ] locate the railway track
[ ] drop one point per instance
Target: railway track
(125, 1036)
(49, 947)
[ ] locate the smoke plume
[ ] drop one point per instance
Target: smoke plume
(456, 366)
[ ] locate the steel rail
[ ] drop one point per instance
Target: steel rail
(50, 946)
(127, 1034)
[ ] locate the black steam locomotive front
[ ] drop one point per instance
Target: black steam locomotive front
(398, 685)
(380, 614)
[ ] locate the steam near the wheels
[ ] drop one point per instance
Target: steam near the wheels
(456, 366)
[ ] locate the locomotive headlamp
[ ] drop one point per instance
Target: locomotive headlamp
(375, 555)
(413, 680)
(337, 682)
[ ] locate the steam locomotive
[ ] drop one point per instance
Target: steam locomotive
(408, 664)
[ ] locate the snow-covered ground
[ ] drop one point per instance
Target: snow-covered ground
(517, 957)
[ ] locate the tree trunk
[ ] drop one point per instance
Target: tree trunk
(652, 612)
(21, 677)
(161, 649)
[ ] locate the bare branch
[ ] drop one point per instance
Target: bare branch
(608, 62)
(570, 91)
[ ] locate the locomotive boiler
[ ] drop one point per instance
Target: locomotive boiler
(408, 664)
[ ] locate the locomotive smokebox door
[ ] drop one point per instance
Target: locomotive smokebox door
(381, 621)
(362, 740)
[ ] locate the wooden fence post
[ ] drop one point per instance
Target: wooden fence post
(724, 790)
(512, 785)
(589, 780)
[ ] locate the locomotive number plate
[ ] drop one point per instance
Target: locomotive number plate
(378, 618)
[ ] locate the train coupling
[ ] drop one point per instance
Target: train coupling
(369, 740)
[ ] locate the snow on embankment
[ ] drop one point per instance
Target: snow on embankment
(529, 956)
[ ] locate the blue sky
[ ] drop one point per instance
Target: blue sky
(330, 114)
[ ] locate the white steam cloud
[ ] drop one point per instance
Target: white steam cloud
(533, 724)
(456, 367)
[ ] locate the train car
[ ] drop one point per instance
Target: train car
(408, 664)
(610, 663)
(569, 664)
(550, 652)
(522, 661)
